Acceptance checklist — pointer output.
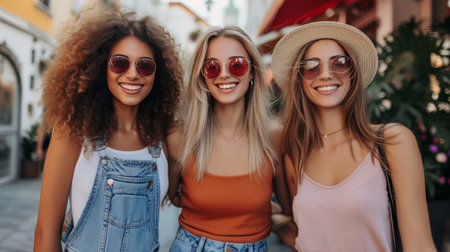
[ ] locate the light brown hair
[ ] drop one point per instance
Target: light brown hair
(301, 132)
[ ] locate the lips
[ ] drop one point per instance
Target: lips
(227, 87)
(327, 89)
(130, 88)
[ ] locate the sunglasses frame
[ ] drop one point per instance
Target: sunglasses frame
(110, 65)
(349, 69)
(229, 66)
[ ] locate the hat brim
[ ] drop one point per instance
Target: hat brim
(287, 49)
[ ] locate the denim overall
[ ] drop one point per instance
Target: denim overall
(122, 211)
(188, 242)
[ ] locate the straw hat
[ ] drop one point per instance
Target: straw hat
(289, 46)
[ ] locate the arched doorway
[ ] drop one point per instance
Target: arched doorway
(9, 115)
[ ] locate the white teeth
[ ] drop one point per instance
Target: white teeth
(225, 86)
(131, 87)
(327, 88)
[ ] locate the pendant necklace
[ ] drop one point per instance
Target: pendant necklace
(329, 134)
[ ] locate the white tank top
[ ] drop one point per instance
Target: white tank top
(350, 216)
(86, 169)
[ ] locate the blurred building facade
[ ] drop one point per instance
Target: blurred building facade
(376, 18)
(26, 43)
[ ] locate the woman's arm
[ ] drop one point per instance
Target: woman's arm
(59, 165)
(173, 143)
(280, 187)
(407, 174)
(287, 230)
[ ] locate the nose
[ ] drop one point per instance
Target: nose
(132, 72)
(224, 71)
(325, 72)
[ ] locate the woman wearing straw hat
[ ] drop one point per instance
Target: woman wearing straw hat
(335, 180)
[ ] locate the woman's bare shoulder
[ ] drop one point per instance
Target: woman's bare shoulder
(396, 133)
(393, 131)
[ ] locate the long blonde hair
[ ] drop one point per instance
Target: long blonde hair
(300, 131)
(198, 123)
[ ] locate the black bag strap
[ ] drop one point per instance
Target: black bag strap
(396, 240)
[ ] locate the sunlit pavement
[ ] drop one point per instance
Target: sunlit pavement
(19, 202)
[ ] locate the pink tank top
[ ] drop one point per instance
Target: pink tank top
(350, 216)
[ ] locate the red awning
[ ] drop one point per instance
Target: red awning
(288, 12)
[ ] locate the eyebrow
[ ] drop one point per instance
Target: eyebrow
(332, 57)
(143, 57)
(232, 57)
(120, 55)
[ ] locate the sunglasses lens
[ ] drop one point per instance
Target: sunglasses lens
(119, 64)
(211, 69)
(309, 69)
(238, 66)
(145, 66)
(341, 64)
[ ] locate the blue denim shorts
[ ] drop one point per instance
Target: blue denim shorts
(187, 242)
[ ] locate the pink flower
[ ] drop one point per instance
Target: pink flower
(433, 148)
(441, 157)
(442, 179)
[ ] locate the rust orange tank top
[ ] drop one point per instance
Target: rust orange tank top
(227, 208)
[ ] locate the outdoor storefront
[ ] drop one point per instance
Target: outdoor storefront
(9, 115)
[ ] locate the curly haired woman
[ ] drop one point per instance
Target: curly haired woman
(111, 93)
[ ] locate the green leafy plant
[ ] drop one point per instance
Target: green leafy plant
(4, 149)
(412, 88)
(29, 142)
(193, 36)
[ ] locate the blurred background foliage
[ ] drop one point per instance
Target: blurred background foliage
(412, 88)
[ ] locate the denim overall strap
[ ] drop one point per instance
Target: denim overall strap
(122, 211)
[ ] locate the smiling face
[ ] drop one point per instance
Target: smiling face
(228, 88)
(328, 88)
(130, 87)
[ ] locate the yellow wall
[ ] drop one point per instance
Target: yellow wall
(29, 11)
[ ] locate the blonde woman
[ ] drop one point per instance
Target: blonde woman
(336, 184)
(222, 154)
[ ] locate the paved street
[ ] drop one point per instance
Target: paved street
(19, 202)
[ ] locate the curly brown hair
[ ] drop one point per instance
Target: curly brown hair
(76, 95)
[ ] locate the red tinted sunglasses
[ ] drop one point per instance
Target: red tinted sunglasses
(237, 66)
(145, 66)
(341, 66)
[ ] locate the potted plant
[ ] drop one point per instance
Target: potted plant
(30, 166)
(412, 88)
(194, 34)
(4, 154)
